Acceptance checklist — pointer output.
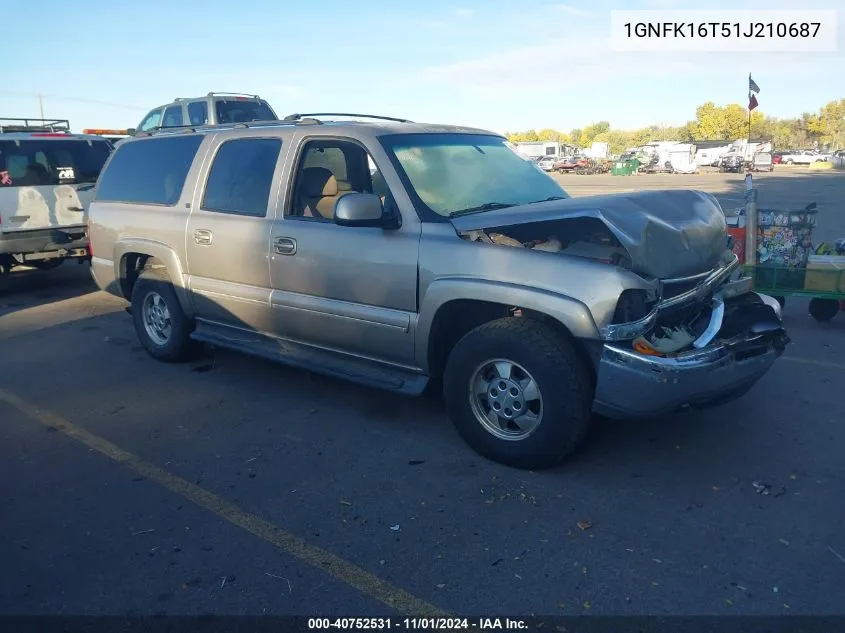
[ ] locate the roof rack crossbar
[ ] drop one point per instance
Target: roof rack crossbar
(232, 94)
(34, 125)
(222, 127)
(297, 117)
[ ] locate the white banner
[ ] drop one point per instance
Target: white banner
(746, 31)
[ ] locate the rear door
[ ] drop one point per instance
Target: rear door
(47, 180)
(228, 236)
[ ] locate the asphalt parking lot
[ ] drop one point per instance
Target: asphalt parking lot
(235, 486)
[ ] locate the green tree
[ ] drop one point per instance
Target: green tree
(709, 122)
(589, 133)
(828, 126)
(712, 122)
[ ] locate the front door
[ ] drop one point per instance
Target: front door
(349, 289)
(227, 240)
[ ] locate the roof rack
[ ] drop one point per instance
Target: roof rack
(232, 94)
(297, 117)
(184, 129)
(34, 125)
(218, 94)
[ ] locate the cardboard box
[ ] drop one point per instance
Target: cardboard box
(825, 273)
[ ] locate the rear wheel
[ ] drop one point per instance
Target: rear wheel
(6, 264)
(518, 393)
(823, 310)
(162, 326)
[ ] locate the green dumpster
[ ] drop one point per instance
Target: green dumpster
(625, 168)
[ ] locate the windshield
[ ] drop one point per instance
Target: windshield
(453, 173)
(243, 111)
(31, 163)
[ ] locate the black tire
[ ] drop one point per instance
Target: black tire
(562, 377)
(5, 272)
(823, 310)
(790, 162)
(48, 264)
(179, 346)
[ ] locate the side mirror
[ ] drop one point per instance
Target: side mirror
(362, 209)
(131, 131)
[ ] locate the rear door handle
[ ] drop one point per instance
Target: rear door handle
(203, 237)
(284, 246)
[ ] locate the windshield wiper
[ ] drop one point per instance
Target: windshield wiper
(487, 206)
(549, 199)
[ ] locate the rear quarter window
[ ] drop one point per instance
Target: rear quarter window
(150, 171)
(242, 111)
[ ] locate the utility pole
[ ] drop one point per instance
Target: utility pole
(41, 106)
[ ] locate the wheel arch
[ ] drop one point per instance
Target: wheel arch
(133, 256)
(452, 308)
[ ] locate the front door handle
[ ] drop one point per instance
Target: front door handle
(203, 237)
(284, 246)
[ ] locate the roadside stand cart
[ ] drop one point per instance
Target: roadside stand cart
(776, 248)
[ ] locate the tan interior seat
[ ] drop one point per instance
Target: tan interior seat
(318, 193)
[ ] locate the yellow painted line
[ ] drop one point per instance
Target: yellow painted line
(354, 576)
(810, 361)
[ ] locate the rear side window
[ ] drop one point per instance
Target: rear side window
(198, 112)
(173, 116)
(150, 171)
(241, 176)
(33, 163)
(242, 111)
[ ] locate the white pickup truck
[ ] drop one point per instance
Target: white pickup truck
(805, 157)
(47, 177)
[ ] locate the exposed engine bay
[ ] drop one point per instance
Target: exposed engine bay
(688, 314)
(582, 237)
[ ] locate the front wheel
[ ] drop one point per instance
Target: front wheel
(518, 393)
(162, 326)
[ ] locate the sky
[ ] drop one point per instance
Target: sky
(503, 65)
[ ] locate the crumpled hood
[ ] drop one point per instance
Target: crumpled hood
(667, 233)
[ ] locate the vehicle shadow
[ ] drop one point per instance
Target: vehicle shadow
(28, 287)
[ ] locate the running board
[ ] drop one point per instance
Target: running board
(360, 371)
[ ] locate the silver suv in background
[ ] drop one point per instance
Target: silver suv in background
(212, 109)
(401, 255)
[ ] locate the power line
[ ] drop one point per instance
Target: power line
(76, 99)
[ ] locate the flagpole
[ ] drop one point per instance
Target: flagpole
(749, 108)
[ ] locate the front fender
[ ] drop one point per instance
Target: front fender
(163, 253)
(568, 311)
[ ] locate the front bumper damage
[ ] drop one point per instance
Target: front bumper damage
(741, 341)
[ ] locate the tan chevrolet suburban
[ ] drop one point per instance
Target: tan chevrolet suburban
(403, 255)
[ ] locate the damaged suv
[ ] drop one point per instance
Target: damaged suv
(404, 256)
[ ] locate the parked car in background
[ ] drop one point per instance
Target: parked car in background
(570, 164)
(547, 163)
(776, 158)
(804, 157)
(762, 162)
(273, 241)
(732, 162)
(212, 109)
(112, 136)
(47, 178)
